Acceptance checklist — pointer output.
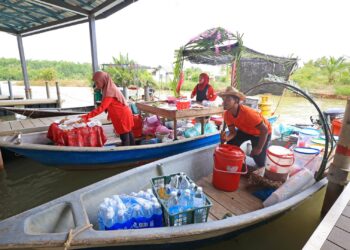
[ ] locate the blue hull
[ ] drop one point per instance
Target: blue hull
(133, 155)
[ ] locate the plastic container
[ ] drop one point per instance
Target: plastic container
(306, 135)
(279, 163)
(228, 162)
(307, 157)
(181, 218)
(183, 105)
(137, 129)
(336, 126)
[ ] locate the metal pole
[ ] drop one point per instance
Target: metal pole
(11, 97)
(24, 68)
(93, 43)
(47, 90)
(0, 89)
(59, 102)
(338, 175)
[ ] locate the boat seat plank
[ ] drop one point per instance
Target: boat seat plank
(16, 125)
(344, 223)
(27, 124)
(221, 198)
(239, 202)
(243, 195)
(217, 210)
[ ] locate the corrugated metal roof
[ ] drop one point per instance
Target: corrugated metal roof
(28, 17)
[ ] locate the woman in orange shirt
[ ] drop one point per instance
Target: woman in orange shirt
(116, 105)
(203, 90)
(245, 123)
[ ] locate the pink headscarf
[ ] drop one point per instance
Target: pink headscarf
(201, 86)
(105, 83)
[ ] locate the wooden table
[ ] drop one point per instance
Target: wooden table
(174, 114)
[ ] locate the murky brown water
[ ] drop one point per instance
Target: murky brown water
(26, 184)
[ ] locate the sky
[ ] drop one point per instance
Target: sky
(149, 31)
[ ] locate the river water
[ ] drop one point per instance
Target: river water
(26, 184)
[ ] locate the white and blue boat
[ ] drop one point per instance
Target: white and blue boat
(38, 147)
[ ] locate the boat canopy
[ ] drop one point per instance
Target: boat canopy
(218, 46)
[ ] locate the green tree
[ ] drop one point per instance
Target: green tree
(333, 66)
(48, 74)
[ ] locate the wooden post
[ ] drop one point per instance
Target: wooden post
(47, 90)
(146, 94)
(10, 90)
(1, 162)
(339, 171)
(59, 101)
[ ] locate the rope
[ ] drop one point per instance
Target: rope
(72, 234)
(279, 101)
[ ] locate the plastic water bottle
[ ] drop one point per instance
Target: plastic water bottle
(121, 220)
(161, 191)
(109, 220)
(118, 202)
(157, 215)
(185, 201)
(148, 215)
(184, 183)
(101, 216)
(198, 202)
(174, 182)
(173, 204)
(199, 199)
(137, 217)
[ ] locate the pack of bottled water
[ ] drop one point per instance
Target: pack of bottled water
(182, 195)
(134, 211)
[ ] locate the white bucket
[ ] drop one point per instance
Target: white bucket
(279, 159)
(307, 157)
(306, 135)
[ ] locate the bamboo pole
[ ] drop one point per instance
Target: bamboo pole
(59, 101)
(339, 171)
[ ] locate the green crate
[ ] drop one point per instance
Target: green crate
(182, 218)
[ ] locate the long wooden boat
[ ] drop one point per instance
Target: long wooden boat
(48, 225)
(47, 112)
(38, 147)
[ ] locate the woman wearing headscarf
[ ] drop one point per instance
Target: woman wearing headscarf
(116, 105)
(203, 90)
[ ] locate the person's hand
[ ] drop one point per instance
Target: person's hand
(256, 151)
(223, 137)
(192, 96)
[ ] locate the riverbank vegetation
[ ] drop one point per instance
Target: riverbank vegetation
(326, 75)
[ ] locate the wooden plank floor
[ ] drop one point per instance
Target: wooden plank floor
(238, 202)
(36, 125)
(334, 230)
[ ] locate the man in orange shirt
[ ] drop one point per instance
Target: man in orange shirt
(245, 123)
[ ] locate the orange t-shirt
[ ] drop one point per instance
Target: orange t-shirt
(247, 120)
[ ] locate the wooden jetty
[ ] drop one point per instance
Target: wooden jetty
(334, 230)
(36, 125)
(27, 102)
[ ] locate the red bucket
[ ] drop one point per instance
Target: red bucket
(228, 161)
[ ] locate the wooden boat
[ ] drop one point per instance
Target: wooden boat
(47, 112)
(48, 225)
(38, 147)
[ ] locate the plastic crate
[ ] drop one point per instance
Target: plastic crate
(182, 218)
